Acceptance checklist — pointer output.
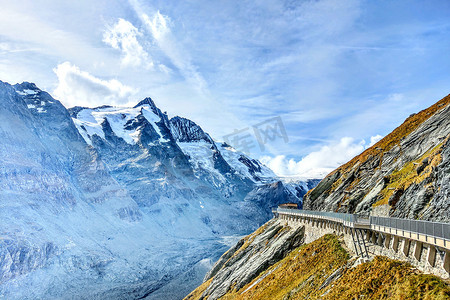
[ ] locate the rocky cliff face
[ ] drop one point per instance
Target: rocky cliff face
(406, 174)
(185, 130)
(251, 256)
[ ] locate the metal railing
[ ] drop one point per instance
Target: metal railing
(431, 229)
(428, 228)
(332, 215)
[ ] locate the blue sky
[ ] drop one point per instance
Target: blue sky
(339, 73)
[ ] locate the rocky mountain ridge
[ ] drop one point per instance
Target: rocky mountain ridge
(145, 150)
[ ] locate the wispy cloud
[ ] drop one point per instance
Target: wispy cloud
(123, 36)
(158, 25)
(15, 48)
(23, 27)
(77, 87)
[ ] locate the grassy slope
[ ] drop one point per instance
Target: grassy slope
(302, 273)
(385, 278)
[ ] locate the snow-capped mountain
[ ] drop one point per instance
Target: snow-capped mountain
(116, 202)
(299, 186)
(160, 159)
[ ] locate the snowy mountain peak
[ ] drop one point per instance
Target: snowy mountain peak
(38, 101)
(128, 124)
(146, 101)
(26, 86)
(147, 126)
(27, 89)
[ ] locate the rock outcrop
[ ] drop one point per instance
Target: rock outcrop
(406, 174)
(184, 130)
(251, 256)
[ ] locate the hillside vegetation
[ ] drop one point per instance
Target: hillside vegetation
(323, 270)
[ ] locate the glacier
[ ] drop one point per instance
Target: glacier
(118, 202)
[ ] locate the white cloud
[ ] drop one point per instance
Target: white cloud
(396, 97)
(316, 164)
(123, 36)
(76, 87)
(374, 140)
(159, 27)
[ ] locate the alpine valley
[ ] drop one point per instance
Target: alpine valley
(119, 203)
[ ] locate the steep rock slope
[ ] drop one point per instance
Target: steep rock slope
(406, 174)
(270, 264)
(249, 257)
